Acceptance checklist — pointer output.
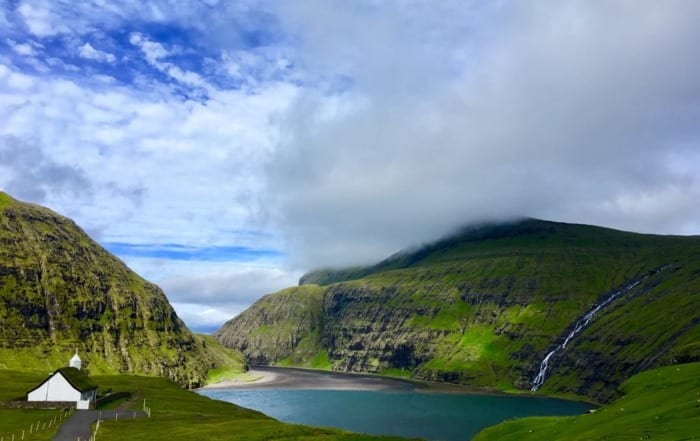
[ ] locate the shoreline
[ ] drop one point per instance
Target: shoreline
(268, 377)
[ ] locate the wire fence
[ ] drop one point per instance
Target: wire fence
(35, 428)
(146, 410)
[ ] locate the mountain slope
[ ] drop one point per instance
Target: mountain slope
(484, 307)
(60, 291)
(661, 404)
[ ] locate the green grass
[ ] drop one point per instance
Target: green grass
(320, 361)
(661, 404)
(15, 385)
(184, 415)
(230, 364)
(5, 200)
(394, 372)
(16, 421)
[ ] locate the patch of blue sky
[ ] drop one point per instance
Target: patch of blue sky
(191, 47)
(189, 253)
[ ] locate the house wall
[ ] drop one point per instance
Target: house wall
(87, 399)
(57, 388)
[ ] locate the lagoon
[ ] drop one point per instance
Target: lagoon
(389, 407)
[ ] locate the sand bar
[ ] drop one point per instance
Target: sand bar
(294, 378)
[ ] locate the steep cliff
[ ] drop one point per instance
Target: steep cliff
(60, 291)
(284, 327)
(484, 307)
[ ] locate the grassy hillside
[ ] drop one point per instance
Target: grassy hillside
(61, 291)
(229, 363)
(660, 404)
(485, 306)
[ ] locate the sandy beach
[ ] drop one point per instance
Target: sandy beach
(290, 378)
(294, 378)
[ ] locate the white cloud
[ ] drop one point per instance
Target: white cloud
(157, 169)
(200, 162)
(155, 52)
(562, 110)
(39, 20)
(89, 52)
(206, 294)
(25, 49)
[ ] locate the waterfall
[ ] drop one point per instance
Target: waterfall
(584, 322)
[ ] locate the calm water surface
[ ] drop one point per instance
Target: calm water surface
(429, 415)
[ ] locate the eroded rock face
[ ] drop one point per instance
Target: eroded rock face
(61, 291)
(485, 309)
(278, 327)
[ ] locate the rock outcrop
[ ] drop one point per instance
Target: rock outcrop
(62, 292)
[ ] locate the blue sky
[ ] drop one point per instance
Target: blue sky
(222, 148)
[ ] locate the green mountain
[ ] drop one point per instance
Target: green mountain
(60, 292)
(660, 404)
(485, 307)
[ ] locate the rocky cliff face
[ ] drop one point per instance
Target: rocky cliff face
(284, 326)
(485, 307)
(61, 291)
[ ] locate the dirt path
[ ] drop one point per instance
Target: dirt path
(78, 426)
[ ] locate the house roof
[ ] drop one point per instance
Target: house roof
(75, 377)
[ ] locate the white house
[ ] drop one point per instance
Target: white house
(67, 384)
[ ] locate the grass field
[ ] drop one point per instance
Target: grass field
(14, 421)
(661, 404)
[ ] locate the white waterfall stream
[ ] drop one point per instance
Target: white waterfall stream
(581, 324)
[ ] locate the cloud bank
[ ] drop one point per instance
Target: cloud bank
(573, 111)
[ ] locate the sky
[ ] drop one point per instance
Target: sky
(223, 148)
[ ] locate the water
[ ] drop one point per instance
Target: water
(429, 415)
(583, 323)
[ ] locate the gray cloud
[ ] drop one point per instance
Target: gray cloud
(30, 174)
(231, 291)
(576, 111)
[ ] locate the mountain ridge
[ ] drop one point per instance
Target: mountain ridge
(486, 306)
(474, 232)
